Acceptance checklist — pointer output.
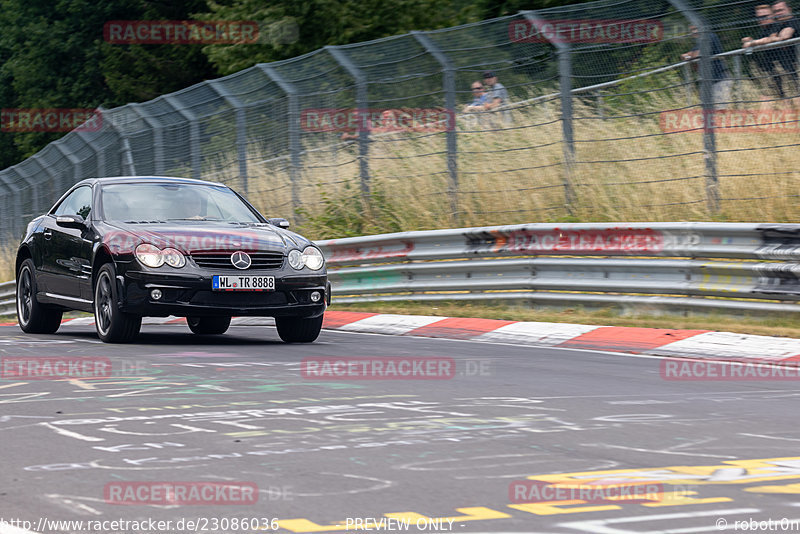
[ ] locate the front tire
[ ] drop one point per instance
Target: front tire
(113, 325)
(33, 317)
(208, 326)
(298, 330)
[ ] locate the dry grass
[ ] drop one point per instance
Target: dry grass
(7, 263)
(626, 169)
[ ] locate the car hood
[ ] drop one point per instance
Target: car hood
(203, 237)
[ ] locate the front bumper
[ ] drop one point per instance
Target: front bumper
(191, 295)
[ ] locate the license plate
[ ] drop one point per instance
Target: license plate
(243, 283)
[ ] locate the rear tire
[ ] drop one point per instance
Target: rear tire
(208, 326)
(33, 318)
(113, 325)
(298, 330)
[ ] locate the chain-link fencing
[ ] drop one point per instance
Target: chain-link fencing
(601, 116)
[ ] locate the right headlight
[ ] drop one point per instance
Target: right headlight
(149, 255)
(313, 258)
(296, 259)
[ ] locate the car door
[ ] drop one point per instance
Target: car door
(66, 262)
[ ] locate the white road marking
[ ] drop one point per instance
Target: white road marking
(69, 433)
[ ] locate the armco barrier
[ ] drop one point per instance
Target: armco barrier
(732, 267)
(7, 299)
(662, 265)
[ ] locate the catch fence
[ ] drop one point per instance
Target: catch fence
(604, 121)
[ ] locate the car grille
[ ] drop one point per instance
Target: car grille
(261, 260)
(254, 299)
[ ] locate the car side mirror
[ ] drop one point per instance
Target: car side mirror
(71, 221)
(279, 222)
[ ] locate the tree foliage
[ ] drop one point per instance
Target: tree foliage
(52, 52)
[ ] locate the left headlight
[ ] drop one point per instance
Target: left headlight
(313, 258)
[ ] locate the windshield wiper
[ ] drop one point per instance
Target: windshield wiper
(196, 219)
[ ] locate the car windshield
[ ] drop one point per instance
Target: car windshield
(150, 202)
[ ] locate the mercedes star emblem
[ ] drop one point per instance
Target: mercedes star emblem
(241, 260)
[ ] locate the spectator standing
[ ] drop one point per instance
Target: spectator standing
(722, 84)
(765, 59)
(786, 27)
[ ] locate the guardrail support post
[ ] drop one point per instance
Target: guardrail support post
(706, 101)
(295, 169)
(363, 112)
(450, 104)
(565, 93)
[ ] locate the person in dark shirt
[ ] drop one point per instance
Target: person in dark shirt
(722, 83)
(777, 25)
(765, 59)
(786, 26)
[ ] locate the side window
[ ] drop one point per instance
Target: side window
(79, 202)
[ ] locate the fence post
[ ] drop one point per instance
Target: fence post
(737, 76)
(158, 137)
(15, 201)
(449, 86)
(706, 101)
(565, 88)
(241, 128)
(194, 134)
(363, 117)
(101, 157)
(35, 195)
(295, 168)
(77, 166)
(126, 156)
(59, 181)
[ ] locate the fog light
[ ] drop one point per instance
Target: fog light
(315, 296)
(155, 294)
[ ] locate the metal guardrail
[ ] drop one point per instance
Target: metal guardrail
(710, 265)
(724, 266)
(8, 301)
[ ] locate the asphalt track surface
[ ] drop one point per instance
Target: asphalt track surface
(440, 453)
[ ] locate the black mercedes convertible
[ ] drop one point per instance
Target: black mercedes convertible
(129, 247)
